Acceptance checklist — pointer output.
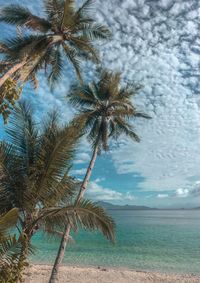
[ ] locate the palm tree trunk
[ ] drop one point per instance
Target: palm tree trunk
(10, 72)
(87, 175)
(60, 255)
(65, 237)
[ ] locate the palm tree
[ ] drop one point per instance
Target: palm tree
(34, 178)
(104, 110)
(66, 32)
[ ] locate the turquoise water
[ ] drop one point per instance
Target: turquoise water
(167, 241)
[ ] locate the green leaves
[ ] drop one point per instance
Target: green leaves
(10, 93)
(36, 169)
(72, 56)
(66, 33)
(95, 31)
(7, 221)
(54, 11)
(21, 16)
(26, 47)
(9, 247)
(85, 8)
(85, 214)
(34, 166)
(57, 67)
(68, 20)
(105, 108)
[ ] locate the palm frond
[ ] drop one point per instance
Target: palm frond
(85, 48)
(9, 251)
(19, 48)
(85, 214)
(105, 108)
(123, 127)
(68, 19)
(142, 115)
(54, 10)
(55, 154)
(20, 16)
(9, 248)
(85, 8)
(57, 67)
(81, 96)
(95, 31)
(71, 54)
(22, 132)
(7, 221)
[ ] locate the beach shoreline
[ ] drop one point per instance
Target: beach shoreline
(40, 273)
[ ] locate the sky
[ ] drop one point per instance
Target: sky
(155, 43)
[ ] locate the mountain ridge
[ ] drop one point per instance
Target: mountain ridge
(111, 206)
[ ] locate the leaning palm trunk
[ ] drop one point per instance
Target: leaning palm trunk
(11, 71)
(66, 235)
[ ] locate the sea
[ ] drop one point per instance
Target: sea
(151, 240)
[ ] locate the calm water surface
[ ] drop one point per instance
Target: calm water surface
(167, 241)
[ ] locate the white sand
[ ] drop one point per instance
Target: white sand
(68, 274)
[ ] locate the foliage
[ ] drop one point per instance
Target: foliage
(105, 109)
(10, 248)
(66, 32)
(34, 166)
(10, 93)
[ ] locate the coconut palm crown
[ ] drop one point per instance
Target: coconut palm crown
(106, 109)
(65, 32)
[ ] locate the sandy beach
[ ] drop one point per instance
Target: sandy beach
(69, 274)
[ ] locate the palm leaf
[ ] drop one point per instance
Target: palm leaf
(7, 221)
(54, 9)
(94, 31)
(105, 108)
(57, 67)
(24, 47)
(85, 8)
(85, 48)
(68, 19)
(54, 159)
(85, 214)
(123, 127)
(18, 15)
(9, 251)
(72, 57)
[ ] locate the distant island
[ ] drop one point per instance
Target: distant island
(110, 206)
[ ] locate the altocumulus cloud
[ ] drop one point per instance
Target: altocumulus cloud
(155, 43)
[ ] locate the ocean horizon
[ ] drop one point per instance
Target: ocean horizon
(151, 240)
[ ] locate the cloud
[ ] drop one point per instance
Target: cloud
(79, 172)
(82, 158)
(181, 193)
(99, 193)
(159, 47)
(162, 196)
(190, 192)
(157, 44)
(194, 191)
